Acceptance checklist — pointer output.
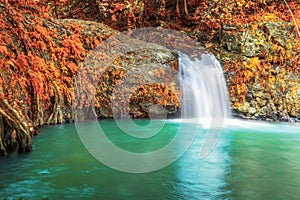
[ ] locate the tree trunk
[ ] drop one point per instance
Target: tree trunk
(18, 122)
(2, 148)
(57, 116)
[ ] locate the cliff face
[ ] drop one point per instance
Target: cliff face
(40, 56)
(261, 61)
(256, 41)
(39, 62)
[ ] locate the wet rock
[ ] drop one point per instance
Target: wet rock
(283, 116)
(262, 113)
(245, 107)
(252, 110)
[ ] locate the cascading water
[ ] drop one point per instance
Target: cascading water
(205, 94)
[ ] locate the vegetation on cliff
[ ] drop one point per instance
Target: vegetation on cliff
(39, 60)
(257, 41)
(42, 48)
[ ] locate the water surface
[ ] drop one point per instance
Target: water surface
(251, 161)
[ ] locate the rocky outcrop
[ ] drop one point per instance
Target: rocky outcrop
(258, 39)
(262, 68)
(40, 58)
(39, 65)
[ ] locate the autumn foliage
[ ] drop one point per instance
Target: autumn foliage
(39, 59)
(42, 49)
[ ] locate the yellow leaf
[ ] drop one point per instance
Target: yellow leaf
(10, 63)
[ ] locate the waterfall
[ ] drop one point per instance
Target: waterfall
(204, 89)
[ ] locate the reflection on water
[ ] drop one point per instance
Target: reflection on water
(254, 162)
(265, 165)
(203, 179)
